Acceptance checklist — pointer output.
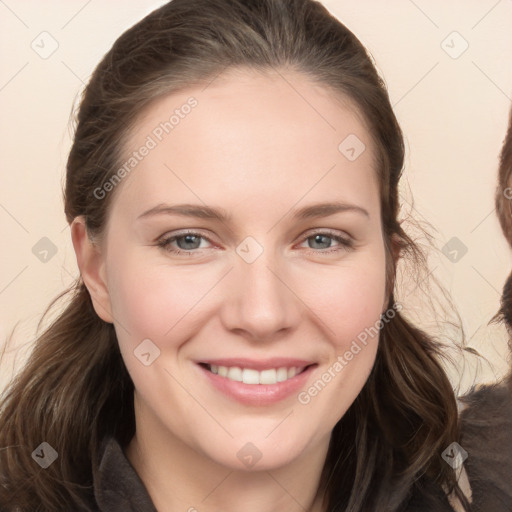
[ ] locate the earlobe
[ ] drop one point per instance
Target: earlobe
(92, 268)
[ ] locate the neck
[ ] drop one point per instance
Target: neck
(178, 477)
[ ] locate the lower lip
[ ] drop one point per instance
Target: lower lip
(258, 394)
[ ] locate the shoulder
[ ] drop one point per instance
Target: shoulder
(486, 436)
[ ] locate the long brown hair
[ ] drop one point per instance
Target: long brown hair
(75, 390)
(503, 201)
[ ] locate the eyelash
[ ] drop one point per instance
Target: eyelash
(345, 243)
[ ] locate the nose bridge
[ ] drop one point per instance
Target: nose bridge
(261, 302)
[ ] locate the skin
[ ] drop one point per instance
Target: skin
(259, 149)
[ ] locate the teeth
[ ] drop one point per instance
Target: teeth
(282, 374)
(268, 377)
(250, 376)
(235, 373)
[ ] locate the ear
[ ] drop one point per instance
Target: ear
(92, 269)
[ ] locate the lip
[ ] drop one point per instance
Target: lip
(252, 364)
(258, 394)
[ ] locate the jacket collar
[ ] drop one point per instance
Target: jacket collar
(117, 486)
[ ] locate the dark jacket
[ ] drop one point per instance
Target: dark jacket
(487, 437)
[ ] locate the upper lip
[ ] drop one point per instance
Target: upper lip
(265, 364)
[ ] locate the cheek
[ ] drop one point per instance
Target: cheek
(348, 300)
(361, 302)
(350, 306)
(150, 301)
(153, 302)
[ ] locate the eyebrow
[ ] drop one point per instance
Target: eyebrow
(208, 212)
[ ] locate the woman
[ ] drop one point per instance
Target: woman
(254, 370)
(487, 417)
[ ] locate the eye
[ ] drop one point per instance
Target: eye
(186, 242)
(324, 240)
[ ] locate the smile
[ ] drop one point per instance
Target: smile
(251, 376)
(257, 383)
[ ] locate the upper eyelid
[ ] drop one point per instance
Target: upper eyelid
(180, 234)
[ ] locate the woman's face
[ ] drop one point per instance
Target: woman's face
(283, 266)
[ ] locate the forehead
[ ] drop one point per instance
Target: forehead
(250, 131)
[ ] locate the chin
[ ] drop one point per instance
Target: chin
(260, 454)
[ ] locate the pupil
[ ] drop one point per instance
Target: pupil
(189, 239)
(318, 239)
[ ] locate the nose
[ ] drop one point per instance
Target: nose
(261, 304)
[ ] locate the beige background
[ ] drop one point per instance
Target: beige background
(452, 105)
